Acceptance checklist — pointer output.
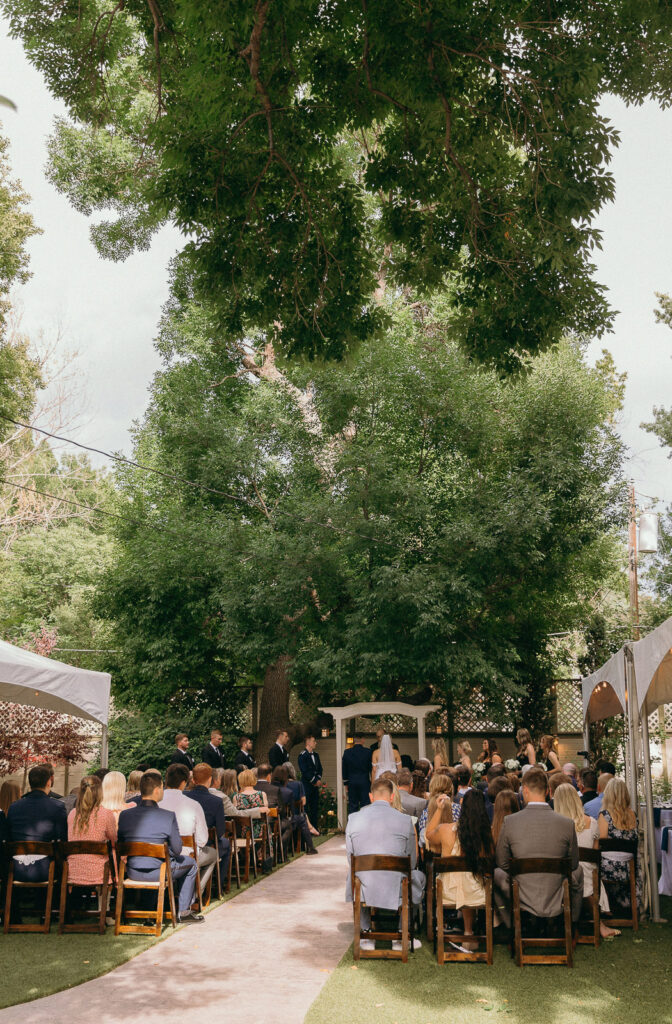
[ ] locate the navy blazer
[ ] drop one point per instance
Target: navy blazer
(311, 771)
(149, 823)
(357, 763)
(181, 757)
(277, 756)
(244, 760)
(212, 756)
(213, 807)
(36, 818)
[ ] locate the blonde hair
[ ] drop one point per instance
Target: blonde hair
(88, 801)
(464, 746)
(229, 783)
(439, 748)
(446, 811)
(247, 778)
(566, 801)
(548, 744)
(134, 781)
(114, 791)
(522, 739)
(616, 801)
(440, 783)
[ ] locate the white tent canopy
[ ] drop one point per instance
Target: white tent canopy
(28, 678)
(604, 690)
(653, 668)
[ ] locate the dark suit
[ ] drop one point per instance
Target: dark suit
(213, 808)
(36, 818)
(4, 831)
(589, 794)
(212, 756)
(292, 794)
(357, 775)
(149, 823)
(310, 767)
(277, 755)
(182, 757)
(243, 761)
(272, 793)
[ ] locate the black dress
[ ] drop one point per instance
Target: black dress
(522, 759)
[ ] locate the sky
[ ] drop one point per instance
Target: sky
(108, 312)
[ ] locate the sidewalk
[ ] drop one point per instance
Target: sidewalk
(262, 957)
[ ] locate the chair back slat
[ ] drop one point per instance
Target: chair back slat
(84, 847)
(20, 849)
(486, 865)
(381, 862)
(138, 849)
(541, 866)
(619, 846)
(590, 856)
(188, 841)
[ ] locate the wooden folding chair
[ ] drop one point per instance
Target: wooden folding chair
(591, 860)
(159, 852)
(428, 858)
(444, 951)
(18, 849)
(274, 831)
(190, 843)
(379, 862)
(230, 833)
(243, 828)
(625, 846)
(102, 849)
(542, 866)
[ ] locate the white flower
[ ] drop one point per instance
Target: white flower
(478, 767)
(512, 765)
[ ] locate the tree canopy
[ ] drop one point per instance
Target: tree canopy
(306, 149)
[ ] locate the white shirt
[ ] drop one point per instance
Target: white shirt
(189, 814)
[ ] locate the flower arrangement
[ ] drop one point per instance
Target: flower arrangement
(512, 765)
(477, 770)
(328, 804)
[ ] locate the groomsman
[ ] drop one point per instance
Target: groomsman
(180, 755)
(244, 759)
(212, 753)
(310, 767)
(277, 755)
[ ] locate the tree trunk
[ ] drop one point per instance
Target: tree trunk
(274, 711)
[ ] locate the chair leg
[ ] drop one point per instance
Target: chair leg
(430, 906)
(50, 896)
(633, 897)
(120, 898)
(517, 926)
(405, 929)
(171, 898)
(489, 944)
(64, 898)
(357, 910)
(8, 897)
(439, 923)
(104, 891)
(158, 924)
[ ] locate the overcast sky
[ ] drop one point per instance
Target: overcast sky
(109, 311)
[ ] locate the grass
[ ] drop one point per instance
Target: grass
(626, 980)
(36, 965)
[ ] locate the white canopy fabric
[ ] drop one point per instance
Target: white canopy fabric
(653, 667)
(28, 678)
(604, 691)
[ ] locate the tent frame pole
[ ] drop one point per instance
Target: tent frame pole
(650, 833)
(104, 748)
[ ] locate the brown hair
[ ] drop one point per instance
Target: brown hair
(419, 784)
(88, 800)
(280, 775)
(547, 744)
(9, 792)
(200, 773)
(382, 786)
(246, 778)
(181, 736)
(404, 777)
(149, 781)
(536, 781)
(505, 804)
(440, 783)
(558, 780)
(134, 781)
(229, 782)
(498, 785)
(522, 739)
(514, 779)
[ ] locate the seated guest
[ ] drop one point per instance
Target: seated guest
(419, 786)
(379, 829)
(216, 787)
(568, 803)
(424, 765)
(271, 789)
(587, 785)
(570, 771)
(439, 783)
(554, 782)
(298, 789)
(212, 751)
(4, 830)
(114, 793)
(410, 804)
(190, 819)
(617, 820)
(149, 823)
(514, 779)
(71, 799)
(9, 792)
(244, 757)
(506, 803)
(36, 818)
(463, 782)
(286, 785)
(89, 821)
(229, 788)
(213, 810)
(134, 783)
(396, 799)
(537, 831)
(470, 837)
(499, 784)
(442, 804)
(593, 807)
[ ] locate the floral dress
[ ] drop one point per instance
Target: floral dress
(616, 869)
(250, 802)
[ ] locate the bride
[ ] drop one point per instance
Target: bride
(386, 758)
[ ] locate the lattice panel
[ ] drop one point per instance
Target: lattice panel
(397, 724)
(654, 724)
(569, 705)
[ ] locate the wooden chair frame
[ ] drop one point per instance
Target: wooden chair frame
(625, 846)
(376, 862)
(542, 866)
(230, 833)
(588, 856)
(20, 849)
(275, 831)
(165, 881)
(429, 893)
(190, 842)
(443, 865)
(64, 850)
(243, 830)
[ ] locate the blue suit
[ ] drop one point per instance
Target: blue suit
(213, 809)
(310, 767)
(357, 775)
(149, 823)
(36, 818)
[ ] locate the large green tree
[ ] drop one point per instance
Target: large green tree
(305, 149)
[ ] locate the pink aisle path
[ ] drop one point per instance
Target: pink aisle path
(263, 956)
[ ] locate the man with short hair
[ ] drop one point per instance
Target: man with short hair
(413, 805)
(36, 818)
(379, 829)
(537, 831)
(180, 755)
(310, 767)
(213, 809)
(150, 823)
(277, 755)
(212, 753)
(380, 732)
(244, 757)
(463, 776)
(594, 806)
(190, 819)
(274, 793)
(587, 785)
(356, 764)
(292, 795)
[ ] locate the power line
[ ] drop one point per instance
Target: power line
(304, 520)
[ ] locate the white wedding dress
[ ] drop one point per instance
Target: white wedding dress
(386, 761)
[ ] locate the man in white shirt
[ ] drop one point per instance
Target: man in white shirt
(190, 819)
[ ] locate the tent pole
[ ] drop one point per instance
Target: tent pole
(650, 834)
(422, 749)
(586, 743)
(340, 727)
(104, 752)
(631, 753)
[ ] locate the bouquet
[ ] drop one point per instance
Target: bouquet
(478, 768)
(512, 765)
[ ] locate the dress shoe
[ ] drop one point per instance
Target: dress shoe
(191, 915)
(309, 853)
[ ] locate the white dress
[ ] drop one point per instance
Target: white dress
(386, 761)
(586, 839)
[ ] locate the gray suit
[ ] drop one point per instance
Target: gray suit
(539, 832)
(379, 829)
(413, 805)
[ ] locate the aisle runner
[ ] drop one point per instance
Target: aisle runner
(262, 957)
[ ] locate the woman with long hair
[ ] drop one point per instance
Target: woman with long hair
(617, 821)
(229, 788)
(9, 793)
(114, 793)
(506, 803)
(549, 757)
(526, 752)
(440, 782)
(385, 758)
(419, 787)
(90, 821)
(134, 784)
(567, 802)
(464, 754)
(440, 753)
(470, 837)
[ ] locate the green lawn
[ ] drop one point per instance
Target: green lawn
(625, 981)
(35, 965)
